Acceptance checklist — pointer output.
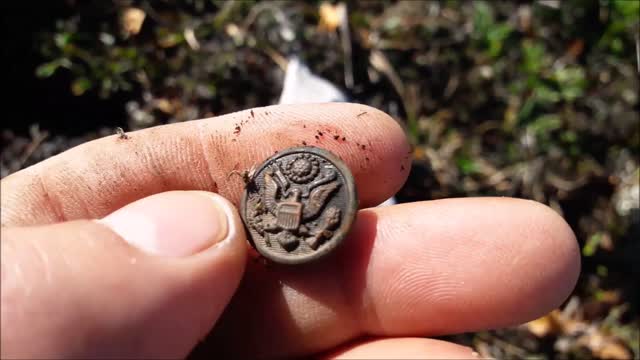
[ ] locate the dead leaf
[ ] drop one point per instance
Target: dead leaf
(331, 16)
(575, 49)
(613, 350)
(606, 242)
(419, 153)
(604, 347)
(131, 20)
(555, 323)
(542, 326)
(165, 106)
(524, 18)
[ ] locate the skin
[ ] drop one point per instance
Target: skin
(404, 272)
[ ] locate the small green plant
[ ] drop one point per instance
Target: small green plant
(488, 33)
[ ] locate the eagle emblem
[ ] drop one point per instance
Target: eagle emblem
(292, 208)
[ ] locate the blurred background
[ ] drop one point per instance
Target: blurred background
(536, 100)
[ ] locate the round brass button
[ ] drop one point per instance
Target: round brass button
(299, 205)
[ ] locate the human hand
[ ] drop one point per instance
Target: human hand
(148, 281)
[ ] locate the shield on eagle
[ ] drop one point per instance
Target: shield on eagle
(289, 215)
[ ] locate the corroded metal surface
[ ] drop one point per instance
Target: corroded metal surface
(299, 205)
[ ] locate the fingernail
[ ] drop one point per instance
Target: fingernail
(176, 223)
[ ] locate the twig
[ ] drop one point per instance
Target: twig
(37, 138)
(379, 61)
(345, 37)
(224, 12)
(512, 349)
(409, 99)
(274, 55)
(190, 37)
(280, 17)
(253, 14)
(451, 87)
(256, 10)
(150, 11)
(563, 184)
(638, 50)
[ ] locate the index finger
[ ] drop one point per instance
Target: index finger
(96, 178)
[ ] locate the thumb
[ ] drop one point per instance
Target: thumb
(148, 281)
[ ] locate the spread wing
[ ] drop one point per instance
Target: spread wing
(270, 193)
(318, 199)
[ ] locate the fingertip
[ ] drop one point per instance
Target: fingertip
(377, 149)
(556, 237)
(484, 262)
(149, 281)
(96, 178)
(371, 142)
(392, 149)
(403, 348)
(539, 253)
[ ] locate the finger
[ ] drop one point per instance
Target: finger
(96, 178)
(418, 269)
(402, 348)
(148, 281)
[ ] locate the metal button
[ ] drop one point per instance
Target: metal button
(299, 205)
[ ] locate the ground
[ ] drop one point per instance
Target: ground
(537, 101)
